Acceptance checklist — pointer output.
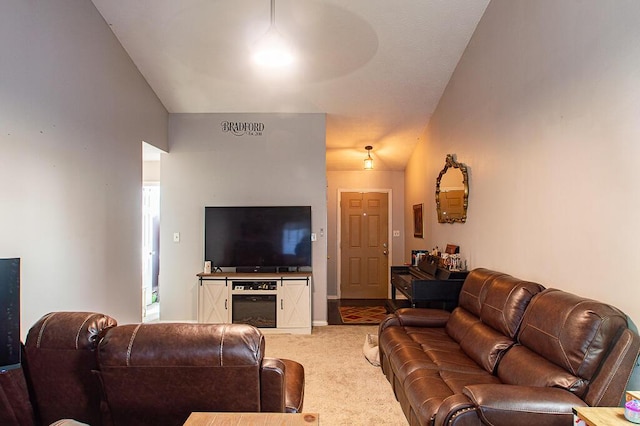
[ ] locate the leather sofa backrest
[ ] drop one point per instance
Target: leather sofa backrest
(523, 367)
(490, 314)
(60, 356)
(573, 332)
(192, 367)
(505, 303)
(563, 342)
(474, 289)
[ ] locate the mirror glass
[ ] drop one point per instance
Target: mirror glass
(452, 192)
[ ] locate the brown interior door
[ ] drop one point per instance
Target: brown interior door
(364, 264)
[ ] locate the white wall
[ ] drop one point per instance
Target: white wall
(151, 171)
(205, 166)
(371, 181)
(543, 108)
(73, 113)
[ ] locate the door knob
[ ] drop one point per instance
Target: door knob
(385, 252)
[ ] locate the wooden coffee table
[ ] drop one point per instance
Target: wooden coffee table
(251, 419)
(601, 416)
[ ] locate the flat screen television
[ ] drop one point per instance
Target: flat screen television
(9, 314)
(268, 238)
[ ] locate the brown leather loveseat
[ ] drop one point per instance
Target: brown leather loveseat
(511, 353)
(83, 366)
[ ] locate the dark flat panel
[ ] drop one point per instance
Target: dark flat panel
(9, 313)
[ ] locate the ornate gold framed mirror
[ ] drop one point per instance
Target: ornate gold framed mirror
(452, 192)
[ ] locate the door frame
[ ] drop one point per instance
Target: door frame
(389, 193)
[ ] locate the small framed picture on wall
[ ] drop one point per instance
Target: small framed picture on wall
(417, 221)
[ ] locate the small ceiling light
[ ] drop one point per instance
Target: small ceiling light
(272, 50)
(368, 162)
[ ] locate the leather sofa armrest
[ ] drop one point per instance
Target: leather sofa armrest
(388, 321)
(415, 317)
(522, 405)
(422, 317)
(15, 403)
(282, 386)
(455, 410)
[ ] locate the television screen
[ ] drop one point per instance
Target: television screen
(9, 313)
(275, 237)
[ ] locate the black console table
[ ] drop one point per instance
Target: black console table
(425, 286)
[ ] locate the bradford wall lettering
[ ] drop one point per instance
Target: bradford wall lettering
(240, 128)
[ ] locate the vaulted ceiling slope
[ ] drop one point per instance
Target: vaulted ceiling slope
(377, 68)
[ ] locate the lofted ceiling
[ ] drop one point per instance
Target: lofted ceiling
(377, 68)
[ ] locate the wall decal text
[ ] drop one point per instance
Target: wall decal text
(242, 128)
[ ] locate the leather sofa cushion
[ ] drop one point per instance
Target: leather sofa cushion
(498, 299)
(396, 336)
(485, 346)
(480, 342)
(503, 300)
(571, 331)
(454, 360)
(505, 303)
(520, 366)
(460, 323)
(408, 359)
(474, 288)
(437, 339)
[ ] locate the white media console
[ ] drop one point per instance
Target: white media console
(279, 302)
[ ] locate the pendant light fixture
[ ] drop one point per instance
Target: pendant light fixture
(272, 50)
(368, 162)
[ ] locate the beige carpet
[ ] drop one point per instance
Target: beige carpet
(340, 385)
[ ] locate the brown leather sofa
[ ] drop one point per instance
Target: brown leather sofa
(15, 406)
(511, 353)
(83, 366)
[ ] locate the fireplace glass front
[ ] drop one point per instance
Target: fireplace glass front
(254, 309)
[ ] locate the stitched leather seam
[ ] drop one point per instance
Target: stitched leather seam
(80, 329)
(44, 324)
(224, 329)
(130, 347)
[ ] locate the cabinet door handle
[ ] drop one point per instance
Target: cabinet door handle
(281, 304)
(225, 304)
